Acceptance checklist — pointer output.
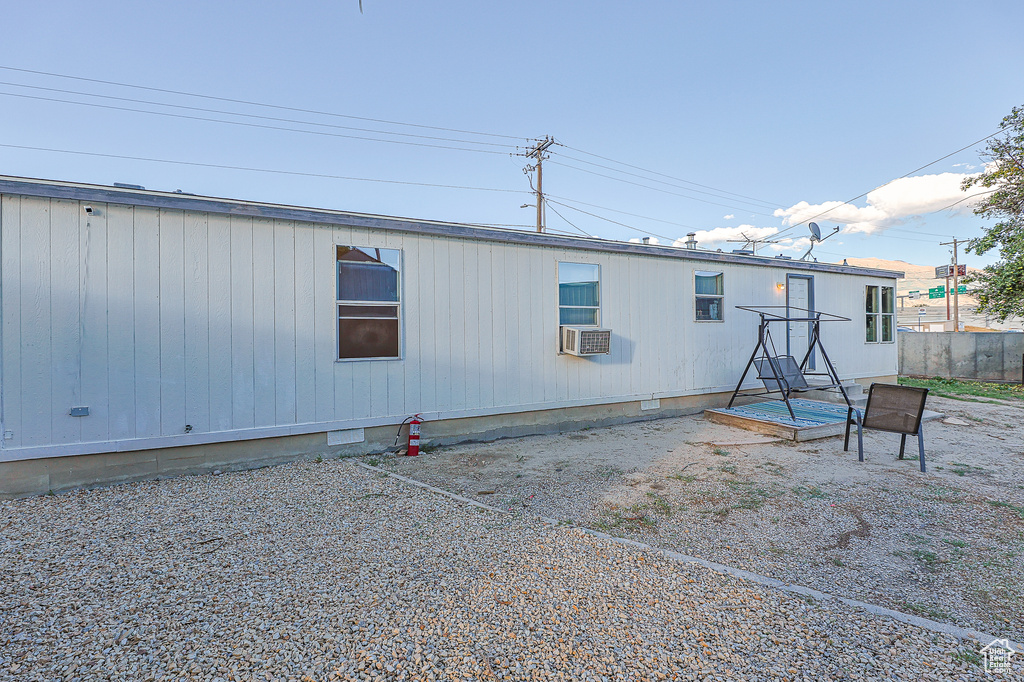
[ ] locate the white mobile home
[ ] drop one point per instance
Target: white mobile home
(149, 333)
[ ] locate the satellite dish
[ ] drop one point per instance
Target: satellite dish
(816, 237)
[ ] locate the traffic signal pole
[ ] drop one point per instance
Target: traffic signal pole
(956, 284)
(948, 318)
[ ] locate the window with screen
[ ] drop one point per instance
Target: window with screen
(579, 294)
(369, 302)
(709, 290)
(880, 314)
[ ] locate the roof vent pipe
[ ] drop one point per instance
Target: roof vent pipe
(647, 240)
(691, 240)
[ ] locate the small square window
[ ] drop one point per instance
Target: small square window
(880, 314)
(709, 288)
(579, 294)
(369, 303)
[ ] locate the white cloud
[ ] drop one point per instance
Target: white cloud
(718, 237)
(637, 240)
(889, 205)
(728, 217)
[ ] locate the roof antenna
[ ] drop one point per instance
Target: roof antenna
(815, 238)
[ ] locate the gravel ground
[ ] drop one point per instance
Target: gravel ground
(947, 545)
(325, 571)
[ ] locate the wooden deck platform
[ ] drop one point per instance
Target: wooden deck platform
(814, 418)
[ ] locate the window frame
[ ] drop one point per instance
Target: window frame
(878, 315)
(719, 297)
(356, 303)
(597, 308)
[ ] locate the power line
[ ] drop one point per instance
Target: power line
(256, 104)
(259, 170)
(615, 222)
(960, 201)
(235, 113)
(859, 196)
(634, 215)
(717, 194)
(583, 232)
(937, 210)
(657, 189)
(249, 125)
(670, 177)
(501, 225)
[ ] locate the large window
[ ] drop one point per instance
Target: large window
(579, 294)
(369, 289)
(880, 315)
(710, 295)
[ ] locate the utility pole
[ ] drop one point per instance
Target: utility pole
(537, 152)
(956, 282)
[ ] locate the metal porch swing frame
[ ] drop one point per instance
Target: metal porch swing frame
(769, 363)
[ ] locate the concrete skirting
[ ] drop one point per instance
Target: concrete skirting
(54, 474)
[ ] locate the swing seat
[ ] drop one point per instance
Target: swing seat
(781, 374)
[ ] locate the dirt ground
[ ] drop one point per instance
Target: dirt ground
(946, 545)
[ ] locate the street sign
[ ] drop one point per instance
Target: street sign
(944, 271)
(937, 292)
(913, 294)
(962, 289)
(921, 311)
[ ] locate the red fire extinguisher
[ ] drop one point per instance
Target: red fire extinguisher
(414, 436)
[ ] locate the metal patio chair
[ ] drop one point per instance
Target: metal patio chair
(892, 408)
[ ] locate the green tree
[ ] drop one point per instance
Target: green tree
(1000, 287)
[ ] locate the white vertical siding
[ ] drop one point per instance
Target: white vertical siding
(147, 322)
(220, 335)
(325, 326)
(264, 323)
(197, 322)
(283, 327)
(171, 270)
(483, 357)
(65, 331)
(36, 352)
(243, 402)
(305, 326)
(11, 284)
(158, 318)
(120, 305)
(92, 287)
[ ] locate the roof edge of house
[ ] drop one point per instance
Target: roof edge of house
(58, 189)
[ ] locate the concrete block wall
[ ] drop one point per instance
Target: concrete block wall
(980, 356)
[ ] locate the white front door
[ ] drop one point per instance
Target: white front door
(799, 296)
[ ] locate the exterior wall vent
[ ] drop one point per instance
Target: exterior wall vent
(586, 341)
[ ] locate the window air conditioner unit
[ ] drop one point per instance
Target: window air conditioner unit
(586, 341)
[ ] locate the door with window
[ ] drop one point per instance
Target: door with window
(799, 300)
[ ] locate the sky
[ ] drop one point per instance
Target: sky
(729, 119)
